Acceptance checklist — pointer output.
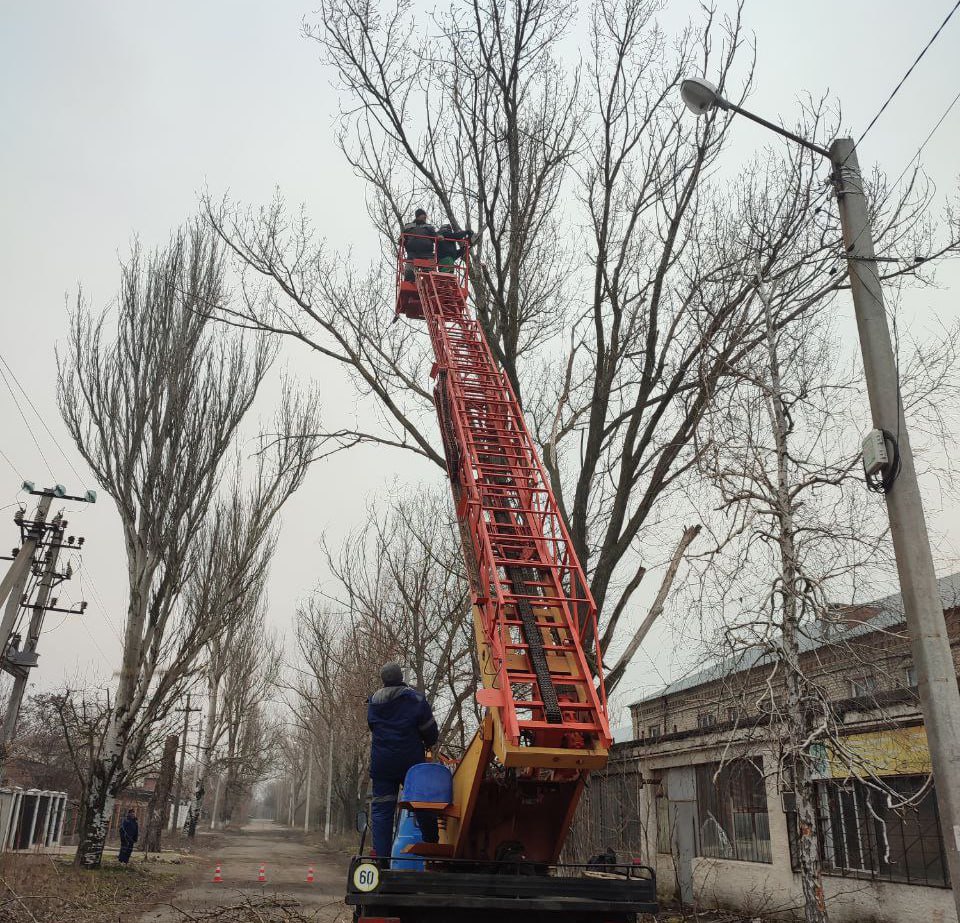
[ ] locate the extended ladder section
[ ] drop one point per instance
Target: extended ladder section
(533, 612)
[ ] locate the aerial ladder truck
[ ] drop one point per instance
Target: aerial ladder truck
(513, 793)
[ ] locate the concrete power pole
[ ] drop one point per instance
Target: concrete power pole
(36, 535)
(923, 607)
(306, 810)
(23, 660)
(326, 821)
(183, 755)
(15, 580)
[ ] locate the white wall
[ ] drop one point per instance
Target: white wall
(773, 890)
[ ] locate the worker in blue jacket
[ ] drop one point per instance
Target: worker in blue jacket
(403, 729)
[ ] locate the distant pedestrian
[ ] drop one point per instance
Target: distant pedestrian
(129, 834)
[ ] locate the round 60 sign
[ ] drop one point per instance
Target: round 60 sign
(366, 877)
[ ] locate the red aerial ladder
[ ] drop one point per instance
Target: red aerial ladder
(545, 725)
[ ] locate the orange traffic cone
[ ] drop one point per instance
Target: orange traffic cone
(310, 875)
(262, 874)
(217, 877)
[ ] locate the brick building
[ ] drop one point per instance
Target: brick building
(696, 792)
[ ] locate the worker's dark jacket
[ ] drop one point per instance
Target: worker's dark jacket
(402, 727)
(421, 246)
(129, 831)
(447, 246)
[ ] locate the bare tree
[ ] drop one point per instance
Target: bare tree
(226, 589)
(617, 341)
(400, 594)
(402, 581)
(329, 707)
(784, 457)
(154, 413)
(249, 743)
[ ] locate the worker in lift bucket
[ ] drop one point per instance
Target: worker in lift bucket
(419, 240)
(403, 728)
(450, 247)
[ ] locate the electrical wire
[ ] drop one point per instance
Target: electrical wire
(27, 424)
(910, 69)
(12, 465)
(82, 572)
(917, 260)
(43, 422)
(882, 481)
(926, 140)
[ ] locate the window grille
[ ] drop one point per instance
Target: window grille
(861, 834)
(733, 822)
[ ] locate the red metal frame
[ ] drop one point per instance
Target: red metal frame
(526, 579)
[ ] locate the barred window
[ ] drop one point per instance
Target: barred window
(733, 822)
(862, 834)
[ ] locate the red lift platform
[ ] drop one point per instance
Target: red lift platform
(545, 725)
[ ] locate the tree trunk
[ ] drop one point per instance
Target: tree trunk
(797, 718)
(96, 811)
(808, 853)
(160, 802)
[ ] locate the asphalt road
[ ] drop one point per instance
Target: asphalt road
(286, 859)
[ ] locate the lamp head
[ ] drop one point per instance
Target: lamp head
(701, 96)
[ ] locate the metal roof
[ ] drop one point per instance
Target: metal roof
(891, 614)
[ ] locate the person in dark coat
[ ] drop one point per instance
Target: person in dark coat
(449, 246)
(402, 728)
(129, 834)
(420, 239)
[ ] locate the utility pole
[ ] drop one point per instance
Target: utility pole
(216, 802)
(36, 535)
(183, 755)
(15, 580)
(306, 810)
(326, 821)
(922, 605)
(20, 662)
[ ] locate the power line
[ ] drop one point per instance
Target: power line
(910, 162)
(933, 131)
(903, 79)
(12, 465)
(27, 424)
(82, 572)
(43, 422)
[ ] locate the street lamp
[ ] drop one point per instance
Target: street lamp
(923, 608)
(700, 96)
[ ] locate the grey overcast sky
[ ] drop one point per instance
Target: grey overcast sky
(115, 115)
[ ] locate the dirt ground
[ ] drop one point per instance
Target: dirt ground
(286, 893)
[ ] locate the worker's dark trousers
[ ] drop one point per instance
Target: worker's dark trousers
(383, 807)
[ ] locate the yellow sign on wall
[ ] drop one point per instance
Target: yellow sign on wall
(891, 752)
